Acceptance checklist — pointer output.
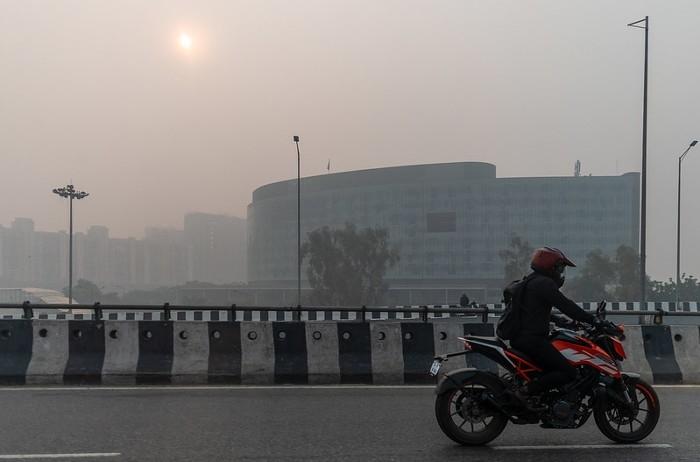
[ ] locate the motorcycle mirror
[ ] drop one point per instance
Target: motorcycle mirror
(600, 311)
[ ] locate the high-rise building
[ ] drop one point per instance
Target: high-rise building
(216, 246)
(125, 265)
(50, 259)
(17, 262)
(92, 250)
(165, 257)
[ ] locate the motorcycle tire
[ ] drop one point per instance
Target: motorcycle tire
(614, 425)
(460, 433)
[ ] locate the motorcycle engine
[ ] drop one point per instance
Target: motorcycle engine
(562, 414)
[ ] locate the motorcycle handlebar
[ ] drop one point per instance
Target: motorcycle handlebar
(604, 327)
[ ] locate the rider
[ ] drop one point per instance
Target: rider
(541, 294)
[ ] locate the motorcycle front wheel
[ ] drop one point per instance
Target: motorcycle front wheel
(625, 425)
(465, 416)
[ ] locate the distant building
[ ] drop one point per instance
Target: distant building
(32, 295)
(50, 259)
(449, 221)
(126, 264)
(92, 255)
(17, 249)
(211, 249)
(216, 247)
(165, 257)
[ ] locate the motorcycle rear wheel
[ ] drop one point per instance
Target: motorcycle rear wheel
(465, 417)
(623, 427)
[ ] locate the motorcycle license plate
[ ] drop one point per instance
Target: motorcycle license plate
(435, 368)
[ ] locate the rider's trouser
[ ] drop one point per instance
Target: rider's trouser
(557, 370)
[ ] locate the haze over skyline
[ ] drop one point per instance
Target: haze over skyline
(103, 95)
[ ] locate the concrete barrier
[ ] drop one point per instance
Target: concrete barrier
(291, 364)
(386, 353)
(16, 339)
(257, 353)
(313, 352)
(686, 347)
(225, 353)
(155, 361)
(658, 349)
(49, 352)
(418, 351)
(445, 334)
(190, 352)
(636, 358)
(121, 353)
(86, 352)
(354, 352)
(323, 361)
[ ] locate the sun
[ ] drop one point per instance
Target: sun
(185, 42)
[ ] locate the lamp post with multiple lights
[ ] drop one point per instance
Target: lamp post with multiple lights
(69, 192)
(643, 224)
(678, 226)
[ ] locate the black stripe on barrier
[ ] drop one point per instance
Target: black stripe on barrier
(418, 351)
(16, 337)
(86, 352)
(354, 352)
(155, 352)
(224, 352)
(478, 360)
(291, 364)
(658, 348)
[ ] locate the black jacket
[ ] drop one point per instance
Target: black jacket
(541, 294)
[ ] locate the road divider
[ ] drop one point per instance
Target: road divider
(279, 352)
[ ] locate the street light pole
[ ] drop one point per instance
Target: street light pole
(678, 226)
(69, 192)
(643, 218)
(296, 141)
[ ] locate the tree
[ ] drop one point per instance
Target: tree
(347, 266)
(516, 259)
(627, 270)
(666, 291)
(85, 292)
(595, 278)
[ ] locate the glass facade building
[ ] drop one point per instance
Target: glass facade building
(449, 221)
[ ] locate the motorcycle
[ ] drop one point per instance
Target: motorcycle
(474, 406)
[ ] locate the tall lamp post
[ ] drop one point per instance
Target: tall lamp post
(678, 226)
(643, 225)
(296, 141)
(69, 192)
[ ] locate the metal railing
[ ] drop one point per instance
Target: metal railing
(97, 310)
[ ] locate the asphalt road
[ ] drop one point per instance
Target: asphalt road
(297, 424)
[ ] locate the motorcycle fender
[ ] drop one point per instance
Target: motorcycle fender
(456, 378)
(631, 375)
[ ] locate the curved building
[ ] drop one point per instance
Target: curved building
(449, 221)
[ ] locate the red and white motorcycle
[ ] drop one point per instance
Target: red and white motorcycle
(474, 406)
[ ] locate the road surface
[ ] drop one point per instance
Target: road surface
(298, 424)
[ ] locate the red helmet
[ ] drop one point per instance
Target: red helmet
(549, 259)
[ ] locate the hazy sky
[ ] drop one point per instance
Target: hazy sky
(99, 92)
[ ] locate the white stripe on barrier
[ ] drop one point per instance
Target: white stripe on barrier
(255, 315)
